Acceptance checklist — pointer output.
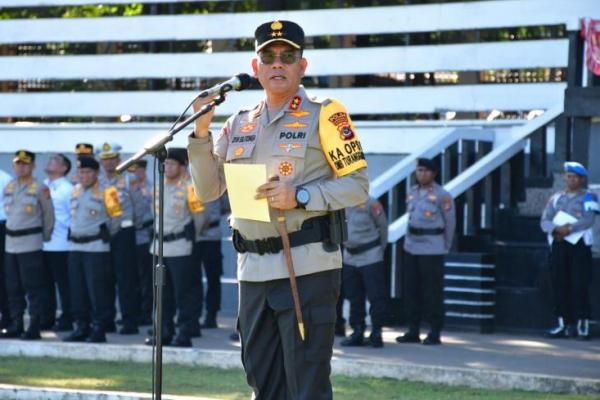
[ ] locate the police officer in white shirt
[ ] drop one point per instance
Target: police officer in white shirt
(56, 251)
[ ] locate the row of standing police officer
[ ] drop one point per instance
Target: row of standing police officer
(90, 236)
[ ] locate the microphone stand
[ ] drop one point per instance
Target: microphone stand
(157, 149)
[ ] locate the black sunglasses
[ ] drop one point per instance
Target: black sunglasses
(286, 57)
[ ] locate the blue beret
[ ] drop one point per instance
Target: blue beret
(576, 168)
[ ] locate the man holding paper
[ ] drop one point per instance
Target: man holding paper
(311, 146)
(568, 219)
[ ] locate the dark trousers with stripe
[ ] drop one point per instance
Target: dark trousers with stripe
(122, 247)
(24, 278)
(361, 283)
(180, 295)
(277, 363)
(208, 254)
(145, 270)
(571, 274)
(90, 280)
(424, 289)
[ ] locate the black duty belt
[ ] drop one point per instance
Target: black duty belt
(85, 239)
(102, 235)
(214, 224)
(171, 237)
(146, 224)
(364, 247)
(425, 231)
(313, 230)
(187, 232)
(23, 232)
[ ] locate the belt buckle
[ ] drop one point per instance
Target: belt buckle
(126, 223)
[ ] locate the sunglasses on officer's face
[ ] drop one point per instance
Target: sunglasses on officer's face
(286, 57)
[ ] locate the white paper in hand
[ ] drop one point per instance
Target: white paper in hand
(562, 218)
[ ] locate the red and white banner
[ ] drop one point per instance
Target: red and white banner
(590, 31)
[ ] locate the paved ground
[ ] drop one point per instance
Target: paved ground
(489, 352)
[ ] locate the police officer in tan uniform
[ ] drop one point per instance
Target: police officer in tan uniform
(123, 241)
(183, 281)
(141, 194)
(363, 272)
(311, 145)
(431, 223)
(571, 258)
(29, 222)
(90, 276)
(82, 150)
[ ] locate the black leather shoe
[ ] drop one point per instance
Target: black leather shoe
(195, 332)
(340, 330)
(166, 340)
(4, 321)
(432, 340)
(234, 337)
(47, 325)
(409, 337)
(209, 323)
(13, 331)
(110, 327)
(181, 341)
(128, 330)
(78, 335)
(97, 335)
(32, 332)
(355, 340)
(375, 340)
(62, 326)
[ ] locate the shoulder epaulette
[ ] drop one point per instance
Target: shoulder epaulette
(10, 188)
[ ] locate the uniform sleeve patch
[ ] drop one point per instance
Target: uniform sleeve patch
(447, 203)
(339, 140)
(376, 209)
(590, 203)
(112, 202)
(46, 192)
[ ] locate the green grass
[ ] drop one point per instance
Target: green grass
(225, 384)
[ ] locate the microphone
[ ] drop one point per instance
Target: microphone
(238, 82)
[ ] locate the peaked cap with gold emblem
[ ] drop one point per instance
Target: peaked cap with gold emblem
(84, 149)
(24, 156)
(279, 31)
(108, 150)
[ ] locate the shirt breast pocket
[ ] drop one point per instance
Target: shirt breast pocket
(287, 159)
(8, 203)
(30, 204)
(575, 209)
(94, 208)
(428, 213)
(239, 152)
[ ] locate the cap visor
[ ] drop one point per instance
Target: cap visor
(268, 42)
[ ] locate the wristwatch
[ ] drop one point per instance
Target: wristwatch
(302, 197)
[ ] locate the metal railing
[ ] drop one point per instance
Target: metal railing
(470, 162)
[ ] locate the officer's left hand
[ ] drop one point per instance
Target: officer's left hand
(279, 194)
(563, 231)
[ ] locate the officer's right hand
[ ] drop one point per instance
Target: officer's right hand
(202, 123)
